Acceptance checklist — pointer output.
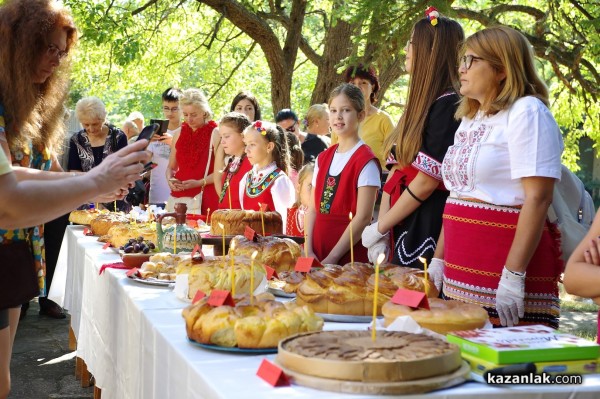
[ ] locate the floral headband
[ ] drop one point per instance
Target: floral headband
(259, 128)
(432, 15)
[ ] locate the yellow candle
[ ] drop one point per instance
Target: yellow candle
(223, 230)
(229, 189)
(262, 219)
(231, 255)
(207, 216)
(375, 294)
(254, 254)
(351, 242)
(149, 215)
(96, 206)
(305, 238)
(175, 239)
(115, 205)
(425, 282)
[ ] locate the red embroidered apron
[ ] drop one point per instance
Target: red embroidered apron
(233, 186)
(261, 193)
(335, 198)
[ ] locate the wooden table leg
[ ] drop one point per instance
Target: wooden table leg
(72, 340)
(85, 375)
(97, 393)
(78, 364)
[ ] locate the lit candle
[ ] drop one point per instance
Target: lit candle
(375, 294)
(425, 282)
(175, 239)
(231, 255)
(254, 254)
(207, 216)
(305, 238)
(223, 230)
(351, 242)
(262, 219)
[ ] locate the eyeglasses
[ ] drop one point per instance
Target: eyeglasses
(54, 51)
(174, 109)
(291, 129)
(467, 60)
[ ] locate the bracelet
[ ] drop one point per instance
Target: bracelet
(203, 182)
(518, 274)
(419, 200)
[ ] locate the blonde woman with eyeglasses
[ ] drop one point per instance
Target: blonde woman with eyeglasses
(499, 249)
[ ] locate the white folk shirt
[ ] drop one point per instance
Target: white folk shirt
(159, 187)
(491, 154)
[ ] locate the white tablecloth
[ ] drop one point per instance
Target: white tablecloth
(132, 338)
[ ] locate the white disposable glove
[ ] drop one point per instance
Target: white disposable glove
(510, 295)
(371, 235)
(381, 246)
(436, 272)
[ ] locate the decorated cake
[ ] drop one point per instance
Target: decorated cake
(279, 253)
(441, 317)
(354, 356)
(236, 220)
(261, 325)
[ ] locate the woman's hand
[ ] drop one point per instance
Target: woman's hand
(174, 184)
(187, 184)
(592, 254)
(330, 260)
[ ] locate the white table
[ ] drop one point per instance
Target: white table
(132, 338)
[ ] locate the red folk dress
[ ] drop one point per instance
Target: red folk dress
(232, 176)
(335, 198)
(193, 148)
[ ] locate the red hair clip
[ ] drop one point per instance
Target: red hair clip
(259, 128)
(432, 15)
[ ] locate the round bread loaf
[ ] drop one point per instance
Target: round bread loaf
(234, 222)
(101, 224)
(86, 216)
(441, 317)
(260, 325)
(279, 253)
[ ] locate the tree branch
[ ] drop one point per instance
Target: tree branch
(142, 8)
(234, 70)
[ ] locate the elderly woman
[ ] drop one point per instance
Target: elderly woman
(191, 163)
(499, 249)
(317, 129)
(96, 140)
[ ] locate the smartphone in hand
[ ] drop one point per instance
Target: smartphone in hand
(148, 131)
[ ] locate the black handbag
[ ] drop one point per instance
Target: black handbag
(18, 278)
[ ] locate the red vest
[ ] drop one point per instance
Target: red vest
(233, 186)
(253, 196)
(335, 198)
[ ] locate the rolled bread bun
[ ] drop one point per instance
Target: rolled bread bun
(84, 217)
(234, 222)
(101, 224)
(441, 317)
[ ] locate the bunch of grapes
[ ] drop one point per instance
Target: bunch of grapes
(138, 245)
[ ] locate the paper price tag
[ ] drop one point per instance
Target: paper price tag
(197, 251)
(271, 273)
(132, 272)
(199, 295)
(250, 234)
(86, 231)
(220, 298)
(272, 374)
(106, 245)
(304, 265)
(264, 207)
(413, 299)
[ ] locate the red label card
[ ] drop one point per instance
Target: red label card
(106, 245)
(86, 231)
(199, 295)
(414, 299)
(132, 272)
(249, 233)
(272, 374)
(220, 297)
(304, 265)
(271, 273)
(263, 207)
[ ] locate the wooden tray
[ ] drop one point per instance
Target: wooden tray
(381, 388)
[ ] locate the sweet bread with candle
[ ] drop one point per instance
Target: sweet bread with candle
(261, 324)
(441, 317)
(216, 274)
(349, 289)
(102, 223)
(287, 281)
(85, 216)
(120, 234)
(235, 221)
(279, 253)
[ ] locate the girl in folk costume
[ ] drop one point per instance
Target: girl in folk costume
(267, 183)
(500, 251)
(191, 162)
(414, 195)
(296, 214)
(346, 179)
(231, 130)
